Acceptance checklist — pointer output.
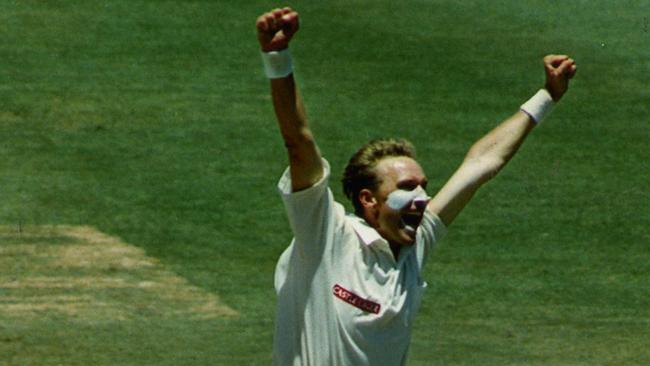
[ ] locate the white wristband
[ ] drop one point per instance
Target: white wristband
(277, 64)
(539, 106)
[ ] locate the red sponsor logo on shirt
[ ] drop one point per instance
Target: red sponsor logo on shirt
(355, 300)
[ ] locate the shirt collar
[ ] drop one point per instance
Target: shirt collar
(366, 233)
(370, 237)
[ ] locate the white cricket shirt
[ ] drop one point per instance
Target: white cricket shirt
(342, 297)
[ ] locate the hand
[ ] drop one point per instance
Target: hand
(276, 28)
(559, 69)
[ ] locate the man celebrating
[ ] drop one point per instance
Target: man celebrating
(349, 285)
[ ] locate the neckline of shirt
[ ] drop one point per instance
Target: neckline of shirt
(370, 237)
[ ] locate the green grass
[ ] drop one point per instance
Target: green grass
(151, 121)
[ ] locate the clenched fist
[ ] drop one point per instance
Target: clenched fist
(559, 70)
(276, 28)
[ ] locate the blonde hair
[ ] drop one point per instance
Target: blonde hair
(360, 172)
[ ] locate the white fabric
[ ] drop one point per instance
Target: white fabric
(343, 299)
(539, 106)
(277, 64)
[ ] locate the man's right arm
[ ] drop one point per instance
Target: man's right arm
(274, 30)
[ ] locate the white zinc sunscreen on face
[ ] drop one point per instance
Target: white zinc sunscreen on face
(400, 199)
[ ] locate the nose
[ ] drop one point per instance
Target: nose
(419, 203)
(401, 199)
(421, 200)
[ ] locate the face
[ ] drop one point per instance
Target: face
(398, 227)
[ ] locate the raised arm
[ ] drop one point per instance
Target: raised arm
(493, 151)
(275, 30)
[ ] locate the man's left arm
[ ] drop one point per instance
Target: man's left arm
(493, 151)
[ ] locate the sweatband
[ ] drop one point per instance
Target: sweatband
(539, 106)
(277, 64)
(399, 198)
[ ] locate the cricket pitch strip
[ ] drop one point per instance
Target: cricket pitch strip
(81, 274)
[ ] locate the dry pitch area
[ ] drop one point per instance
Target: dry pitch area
(82, 275)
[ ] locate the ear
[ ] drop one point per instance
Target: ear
(367, 198)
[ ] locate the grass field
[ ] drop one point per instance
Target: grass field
(150, 122)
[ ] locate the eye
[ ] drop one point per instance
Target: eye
(409, 185)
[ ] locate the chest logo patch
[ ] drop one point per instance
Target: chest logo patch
(356, 300)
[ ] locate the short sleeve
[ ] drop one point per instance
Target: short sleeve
(310, 212)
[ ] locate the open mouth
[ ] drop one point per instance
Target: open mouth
(410, 222)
